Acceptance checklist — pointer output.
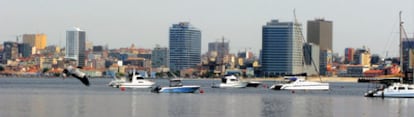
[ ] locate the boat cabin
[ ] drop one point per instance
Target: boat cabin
(229, 79)
(398, 87)
(134, 75)
(175, 83)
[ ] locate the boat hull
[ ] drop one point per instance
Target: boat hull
(253, 84)
(396, 90)
(136, 86)
(401, 94)
(276, 87)
(120, 84)
(182, 89)
(232, 85)
(322, 86)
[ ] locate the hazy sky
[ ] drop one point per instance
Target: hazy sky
(145, 23)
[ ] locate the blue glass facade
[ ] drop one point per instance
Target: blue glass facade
(185, 46)
(281, 48)
(408, 47)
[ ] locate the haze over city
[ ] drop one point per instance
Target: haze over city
(373, 23)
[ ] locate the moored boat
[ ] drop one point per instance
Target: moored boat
(230, 81)
(134, 80)
(176, 86)
(299, 83)
(397, 90)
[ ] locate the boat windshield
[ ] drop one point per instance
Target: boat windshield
(223, 80)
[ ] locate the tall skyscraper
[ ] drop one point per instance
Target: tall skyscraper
(282, 51)
(10, 51)
(221, 48)
(320, 33)
(35, 40)
(160, 57)
(75, 45)
(185, 46)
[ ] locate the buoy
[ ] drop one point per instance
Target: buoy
(201, 91)
(293, 91)
(264, 86)
(122, 88)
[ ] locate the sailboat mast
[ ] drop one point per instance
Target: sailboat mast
(401, 39)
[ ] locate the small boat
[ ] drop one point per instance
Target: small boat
(134, 80)
(176, 86)
(253, 84)
(398, 90)
(293, 82)
(230, 81)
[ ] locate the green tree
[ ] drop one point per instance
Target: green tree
(45, 70)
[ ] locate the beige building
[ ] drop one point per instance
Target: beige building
(365, 59)
(35, 40)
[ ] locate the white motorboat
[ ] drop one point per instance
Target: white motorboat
(398, 90)
(134, 80)
(230, 81)
(176, 86)
(299, 83)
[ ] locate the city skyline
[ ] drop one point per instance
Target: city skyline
(146, 22)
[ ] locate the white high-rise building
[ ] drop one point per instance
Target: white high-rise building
(75, 45)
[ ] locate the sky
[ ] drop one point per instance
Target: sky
(145, 23)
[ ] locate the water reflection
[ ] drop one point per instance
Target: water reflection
(69, 100)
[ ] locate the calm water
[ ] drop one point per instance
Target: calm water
(30, 97)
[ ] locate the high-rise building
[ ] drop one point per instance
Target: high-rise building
(75, 45)
(185, 46)
(25, 50)
(360, 54)
(282, 50)
(325, 65)
(35, 40)
(160, 57)
(10, 51)
(311, 58)
(349, 55)
(408, 46)
(320, 33)
(221, 48)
